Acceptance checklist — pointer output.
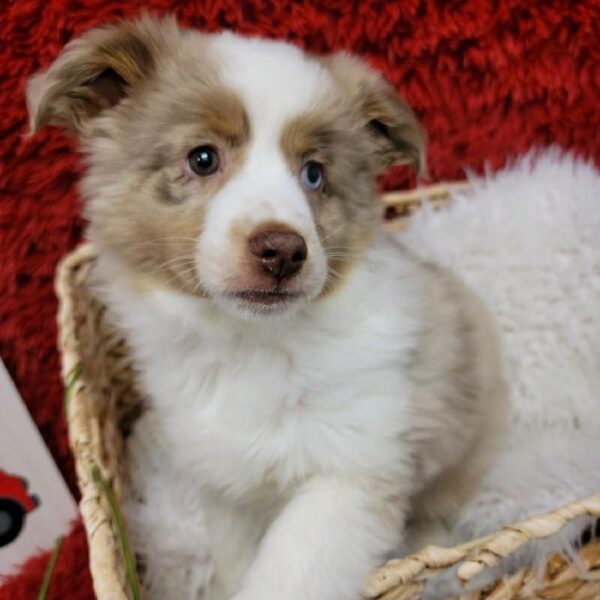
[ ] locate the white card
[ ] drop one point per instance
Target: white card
(32, 515)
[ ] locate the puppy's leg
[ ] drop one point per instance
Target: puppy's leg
(325, 541)
(170, 543)
(165, 519)
(234, 534)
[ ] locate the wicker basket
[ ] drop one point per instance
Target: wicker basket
(101, 401)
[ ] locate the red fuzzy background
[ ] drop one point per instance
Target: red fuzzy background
(490, 79)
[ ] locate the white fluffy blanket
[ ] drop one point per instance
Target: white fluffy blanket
(528, 240)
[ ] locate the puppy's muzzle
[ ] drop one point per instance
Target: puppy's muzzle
(281, 254)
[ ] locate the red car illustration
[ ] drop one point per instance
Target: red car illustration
(15, 503)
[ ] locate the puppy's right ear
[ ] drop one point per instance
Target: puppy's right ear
(95, 72)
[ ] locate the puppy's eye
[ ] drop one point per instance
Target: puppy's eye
(203, 160)
(311, 175)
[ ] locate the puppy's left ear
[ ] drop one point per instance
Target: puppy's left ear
(399, 137)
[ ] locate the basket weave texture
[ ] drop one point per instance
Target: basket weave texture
(102, 400)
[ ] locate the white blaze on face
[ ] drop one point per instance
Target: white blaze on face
(276, 83)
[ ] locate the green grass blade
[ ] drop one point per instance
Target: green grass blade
(72, 378)
(132, 575)
(50, 570)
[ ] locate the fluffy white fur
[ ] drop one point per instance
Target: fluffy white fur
(527, 241)
(299, 435)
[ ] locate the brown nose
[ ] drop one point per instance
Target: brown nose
(281, 253)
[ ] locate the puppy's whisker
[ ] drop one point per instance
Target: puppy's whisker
(335, 231)
(342, 252)
(160, 242)
(192, 269)
(179, 259)
(197, 287)
(170, 263)
(337, 247)
(340, 249)
(332, 277)
(339, 255)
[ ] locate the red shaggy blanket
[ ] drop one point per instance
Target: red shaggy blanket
(489, 79)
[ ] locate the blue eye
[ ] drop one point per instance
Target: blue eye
(311, 175)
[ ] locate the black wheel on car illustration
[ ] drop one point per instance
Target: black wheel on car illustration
(15, 503)
(12, 516)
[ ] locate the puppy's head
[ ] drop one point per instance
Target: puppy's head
(239, 170)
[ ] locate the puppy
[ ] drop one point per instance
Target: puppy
(312, 386)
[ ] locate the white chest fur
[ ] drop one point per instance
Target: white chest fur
(356, 403)
(239, 405)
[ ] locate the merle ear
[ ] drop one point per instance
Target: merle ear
(94, 72)
(398, 135)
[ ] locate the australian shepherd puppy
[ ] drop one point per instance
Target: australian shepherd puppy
(312, 388)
